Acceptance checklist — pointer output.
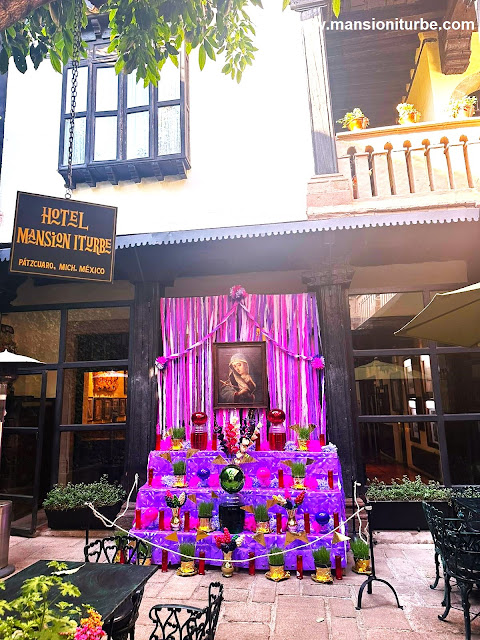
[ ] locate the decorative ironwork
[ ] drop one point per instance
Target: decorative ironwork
(180, 622)
(117, 549)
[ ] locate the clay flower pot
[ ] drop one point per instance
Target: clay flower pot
(358, 124)
(205, 525)
(277, 573)
(262, 527)
(187, 568)
(409, 118)
(362, 566)
(323, 575)
(227, 566)
(177, 444)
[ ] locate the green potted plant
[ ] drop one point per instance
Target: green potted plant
(205, 511)
(407, 114)
(303, 438)
(361, 555)
(354, 120)
(463, 107)
(323, 565)
(187, 562)
(276, 563)
(65, 505)
(178, 436)
(298, 475)
(398, 506)
(180, 472)
(261, 518)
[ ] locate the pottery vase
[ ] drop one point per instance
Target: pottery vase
(227, 566)
(175, 521)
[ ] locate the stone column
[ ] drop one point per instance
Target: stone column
(142, 383)
(331, 287)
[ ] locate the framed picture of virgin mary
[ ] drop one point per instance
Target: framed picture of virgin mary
(239, 375)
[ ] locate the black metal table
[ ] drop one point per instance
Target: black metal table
(103, 586)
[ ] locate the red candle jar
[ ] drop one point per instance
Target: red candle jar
(150, 477)
(199, 438)
(277, 438)
(338, 567)
(279, 523)
(186, 521)
(336, 520)
(201, 563)
(214, 441)
(158, 441)
(280, 479)
(138, 518)
(164, 560)
(251, 563)
(161, 520)
(322, 439)
(300, 567)
(330, 479)
(306, 522)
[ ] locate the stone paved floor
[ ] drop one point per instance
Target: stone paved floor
(256, 609)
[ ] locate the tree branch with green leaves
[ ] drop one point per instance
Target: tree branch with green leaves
(145, 34)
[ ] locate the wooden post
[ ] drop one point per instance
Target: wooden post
(321, 118)
(142, 384)
(331, 287)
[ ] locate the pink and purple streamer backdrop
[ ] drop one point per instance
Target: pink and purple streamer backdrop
(291, 322)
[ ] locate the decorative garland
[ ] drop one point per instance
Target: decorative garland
(237, 294)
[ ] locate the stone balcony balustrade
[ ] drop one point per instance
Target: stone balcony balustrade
(423, 165)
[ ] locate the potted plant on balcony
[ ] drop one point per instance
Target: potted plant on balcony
(407, 114)
(66, 508)
(354, 120)
(398, 506)
(463, 107)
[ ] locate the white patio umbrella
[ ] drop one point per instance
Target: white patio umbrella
(452, 317)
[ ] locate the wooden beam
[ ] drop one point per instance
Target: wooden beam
(455, 46)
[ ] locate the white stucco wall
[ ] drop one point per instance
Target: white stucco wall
(251, 149)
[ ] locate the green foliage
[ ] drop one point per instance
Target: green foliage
(304, 433)
(178, 433)
(261, 513)
(456, 106)
(179, 468)
(360, 549)
(74, 496)
(205, 509)
(39, 613)
(321, 557)
(187, 549)
(466, 492)
(298, 470)
(276, 557)
(407, 490)
(356, 114)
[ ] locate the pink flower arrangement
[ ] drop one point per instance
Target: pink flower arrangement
(237, 292)
(161, 362)
(90, 628)
(318, 362)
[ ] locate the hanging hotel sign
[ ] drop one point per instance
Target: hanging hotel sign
(60, 238)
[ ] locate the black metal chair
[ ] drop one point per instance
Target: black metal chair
(461, 554)
(180, 622)
(122, 550)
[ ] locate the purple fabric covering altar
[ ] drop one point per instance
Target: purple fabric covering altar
(319, 499)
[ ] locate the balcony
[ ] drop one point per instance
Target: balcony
(424, 165)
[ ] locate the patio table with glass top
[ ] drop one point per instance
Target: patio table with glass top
(106, 587)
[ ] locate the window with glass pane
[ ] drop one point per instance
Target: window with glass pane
(94, 396)
(126, 121)
(394, 385)
(393, 449)
(32, 333)
(97, 334)
(376, 316)
(463, 444)
(87, 455)
(460, 382)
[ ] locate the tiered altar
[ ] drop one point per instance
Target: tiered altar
(228, 333)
